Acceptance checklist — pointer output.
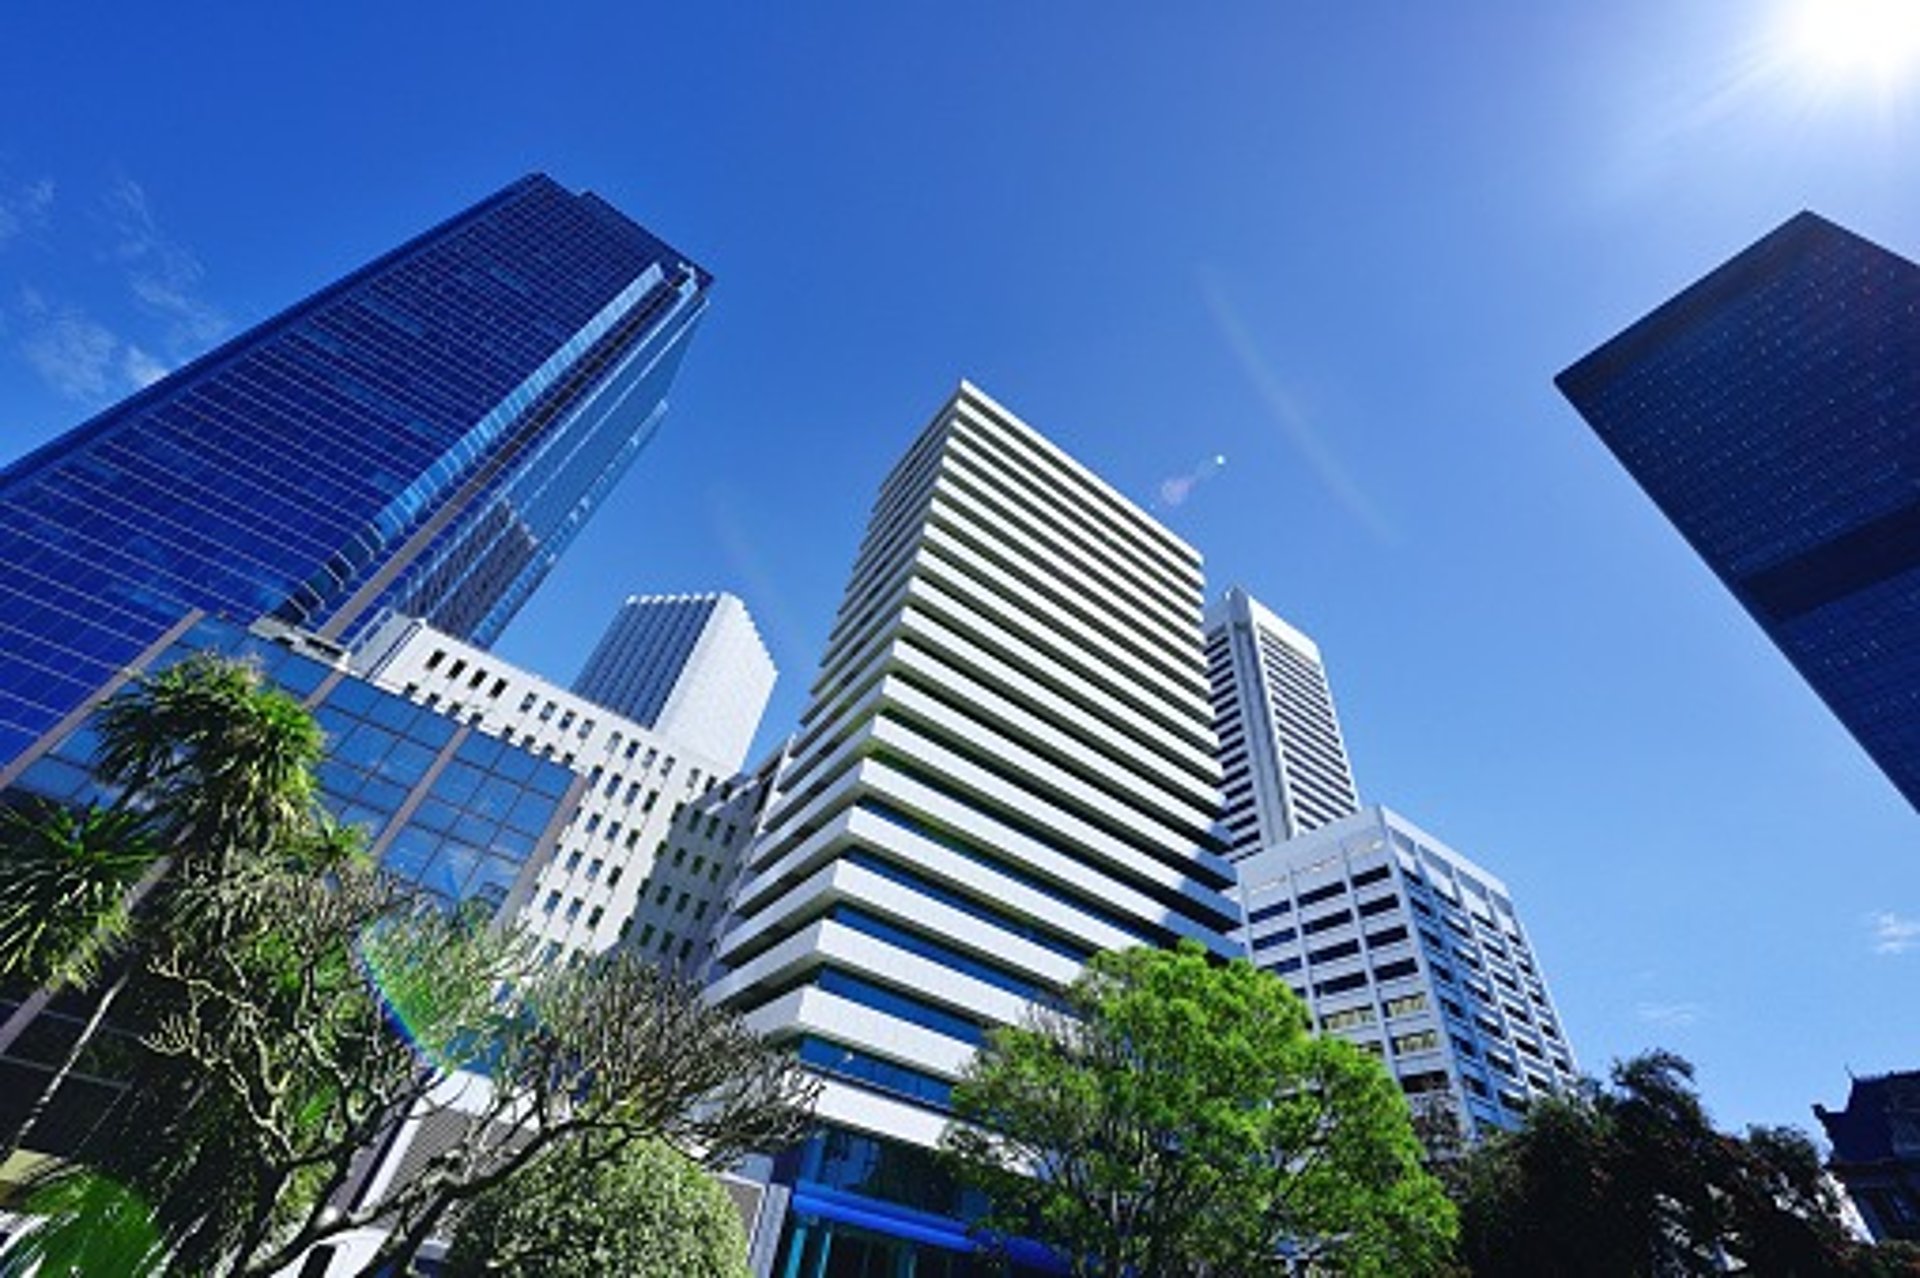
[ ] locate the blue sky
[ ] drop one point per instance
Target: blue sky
(1343, 247)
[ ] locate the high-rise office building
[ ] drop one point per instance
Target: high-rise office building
(1404, 946)
(423, 436)
(1007, 765)
(691, 667)
(641, 854)
(1772, 412)
(1280, 745)
(467, 816)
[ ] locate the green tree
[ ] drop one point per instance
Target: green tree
(288, 1004)
(1173, 1116)
(637, 1208)
(1632, 1178)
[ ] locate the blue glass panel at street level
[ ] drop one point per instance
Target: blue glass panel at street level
(408, 854)
(513, 844)
(55, 779)
(458, 782)
(518, 765)
(481, 750)
(407, 762)
(493, 798)
(531, 813)
(492, 881)
(384, 795)
(451, 868)
(436, 815)
(872, 1071)
(549, 778)
(474, 829)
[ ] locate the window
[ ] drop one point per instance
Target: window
(479, 677)
(653, 796)
(666, 767)
(646, 934)
(613, 875)
(679, 857)
(1338, 950)
(499, 686)
(439, 655)
(613, 831)
(573, 861)
(546, 711)
(699, 864)
(453, 671)
(593, 823)
(595, 914)
(527, 702)
(699, 910)
(661, 897)
(1347, 1017)
(566, 721)
(680, 906)
(633, 748)
(586, 729)
(573, 909)
(633, 791)
(594, 867)
(552, 902)
(1407, 1004)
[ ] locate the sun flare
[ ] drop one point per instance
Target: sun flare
(1855, 39)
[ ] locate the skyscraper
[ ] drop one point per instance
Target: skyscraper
(423, 436)
(1772, 412)
(691, 667)
(1280, 745)
(631, 859)
(1404, 946)
(1006, 766)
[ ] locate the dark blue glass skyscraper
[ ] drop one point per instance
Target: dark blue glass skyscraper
(1772, 412)
(425, 435)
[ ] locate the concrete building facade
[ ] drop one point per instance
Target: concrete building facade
(1285, 761)
(1007, 764)
(690, 667)
(1404, 946)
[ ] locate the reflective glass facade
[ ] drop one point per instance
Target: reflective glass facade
(443, 805)
(424, 436)
(1772, 412)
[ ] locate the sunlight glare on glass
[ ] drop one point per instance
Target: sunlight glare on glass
(1853, 40)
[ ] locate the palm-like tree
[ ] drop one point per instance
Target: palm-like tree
(214, 774)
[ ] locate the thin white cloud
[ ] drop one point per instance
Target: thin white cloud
(163, 274)
(25, 207)
(140, 368)
(1893, 933)
(1294, 424)
(73, 354)
(1669, 1015)
(1175, 489)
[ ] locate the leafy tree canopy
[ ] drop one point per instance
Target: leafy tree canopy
(639, 1208)
(1173, 1116)
(1631, 1178)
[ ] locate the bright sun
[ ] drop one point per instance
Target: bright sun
(1854, 39)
